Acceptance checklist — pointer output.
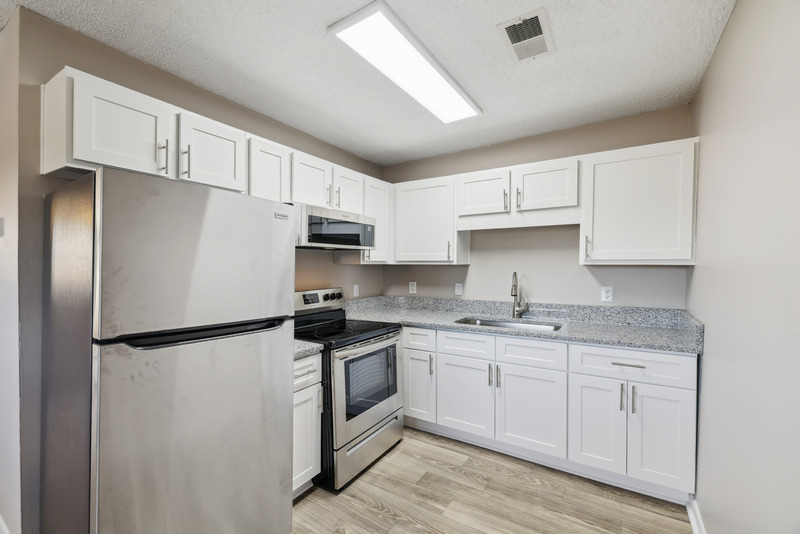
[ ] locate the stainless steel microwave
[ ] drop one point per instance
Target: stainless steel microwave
(326, 228)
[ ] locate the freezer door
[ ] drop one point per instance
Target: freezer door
(194, 438)
(172, 255)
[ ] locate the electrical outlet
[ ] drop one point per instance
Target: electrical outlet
(355, 290)
(607, 294)
(412, 287)
(459, 288)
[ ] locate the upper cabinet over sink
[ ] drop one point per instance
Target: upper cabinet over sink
(638, 205)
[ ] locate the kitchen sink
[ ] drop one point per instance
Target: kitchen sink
(520, 324)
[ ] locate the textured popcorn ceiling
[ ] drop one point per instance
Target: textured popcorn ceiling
(612, 58)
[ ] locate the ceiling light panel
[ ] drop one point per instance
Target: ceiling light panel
(380, 37)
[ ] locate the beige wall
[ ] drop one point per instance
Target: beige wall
(10, 491)
(745, 286)
(316, 269)
(546, 259)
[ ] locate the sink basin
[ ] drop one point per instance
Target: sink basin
(518, 324)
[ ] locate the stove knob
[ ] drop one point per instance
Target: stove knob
(333, 296)
(325, 296)
(338, 295)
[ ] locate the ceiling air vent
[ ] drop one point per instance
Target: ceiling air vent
(527, 36)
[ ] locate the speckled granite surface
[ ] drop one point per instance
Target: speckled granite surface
(305, 348)
(646, 328)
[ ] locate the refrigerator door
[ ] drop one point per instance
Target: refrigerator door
(195, 437)
(172, 255)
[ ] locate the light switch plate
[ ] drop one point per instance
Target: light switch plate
(459, 288)
(355, 290)
(607, 294)
(412, 287)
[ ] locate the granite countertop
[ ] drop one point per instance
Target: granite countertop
(303, 349)
(659, 329)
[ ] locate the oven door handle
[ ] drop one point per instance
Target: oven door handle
(366, 347)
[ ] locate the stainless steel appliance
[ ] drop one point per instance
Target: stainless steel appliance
(327, 228)
(167, 369)
(362, 413)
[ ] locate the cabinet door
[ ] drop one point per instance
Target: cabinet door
(465, 394)
(307, 441)
(212, 153)
(483, 192)
(311, 180)
(547, 184)
(531, 408)
(425, 226)
(121, 128)
(597, 422)
(639, 205)
(379, 204)
(348, 190)
(661, 435)
(419, 383)
(269, 170)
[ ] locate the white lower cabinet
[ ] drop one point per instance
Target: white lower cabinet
(419, 384)
(307, 430)
(465, 394)
(643, 430)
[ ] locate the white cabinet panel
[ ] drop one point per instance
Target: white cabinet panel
(546, 184)
(425, 223)
(483, 192)
(379, 204)
(532, 408)
(597, 422)
(212, 153)
(639, 205)
(419, 383)
(465, 344)
(532, 352)
(307, 442)
(662, 435)
(348, 190)
(465, 394)
(269, 170)
(312, 180)
(419, 338)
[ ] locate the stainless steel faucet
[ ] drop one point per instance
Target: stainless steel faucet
(520, 306)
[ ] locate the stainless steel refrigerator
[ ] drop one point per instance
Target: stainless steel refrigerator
(167, 361)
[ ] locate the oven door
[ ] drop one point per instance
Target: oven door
(367, 386)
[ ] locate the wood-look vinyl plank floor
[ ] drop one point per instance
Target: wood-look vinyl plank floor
(432, 484)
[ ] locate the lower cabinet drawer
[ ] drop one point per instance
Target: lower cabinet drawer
(307, 371)
(640, 366)
(465, 344)
(532, 353)
(419, 338)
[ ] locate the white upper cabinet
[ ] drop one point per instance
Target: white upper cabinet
(638, 205)
(483, 192)
(312, 179)
(212, 153)
(379, 204)
(425, 222)
(269, 170)
(348, 190)
(88, 122)
(546, 184)
(536, 194)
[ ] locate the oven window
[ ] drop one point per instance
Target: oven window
(337, 232)
(369, 380)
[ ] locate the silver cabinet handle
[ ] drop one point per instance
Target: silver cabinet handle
(188, 171)
(633, 399)
(586, 247)
(634, 365)
(367, 254)
(448, 251)
(505, 200)
(338, 197)
(309, 372)
(621, 396)
(519, 196)
(165, 168)
(490, 375)
(497, 379)
(328, 198)
(430, 364)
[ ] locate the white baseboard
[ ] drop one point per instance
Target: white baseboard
(3, 527)
(694, 517)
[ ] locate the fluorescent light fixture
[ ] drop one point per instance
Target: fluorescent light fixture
(381, 38)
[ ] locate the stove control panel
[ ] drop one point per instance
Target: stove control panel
(315, 300)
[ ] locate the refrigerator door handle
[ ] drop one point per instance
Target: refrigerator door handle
(190, 335)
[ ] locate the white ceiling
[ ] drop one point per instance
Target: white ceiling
(612, 58)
